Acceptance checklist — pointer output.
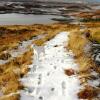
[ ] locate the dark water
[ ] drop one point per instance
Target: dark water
(22, 19)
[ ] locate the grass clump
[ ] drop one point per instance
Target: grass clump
(95, 34)
(11, 72)
(77, 43)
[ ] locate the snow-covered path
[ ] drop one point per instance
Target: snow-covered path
(46, 79)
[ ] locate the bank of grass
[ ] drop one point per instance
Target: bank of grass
(11, 72)
(77, 43)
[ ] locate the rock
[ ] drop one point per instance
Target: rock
(69, 72)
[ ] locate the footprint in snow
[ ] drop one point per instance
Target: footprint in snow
(30, 90)
(51, 64)
(55, 67)
(63, 85)
(40, 98)
(48, 73)
(40, 79)
(34, 68)
(52, 89)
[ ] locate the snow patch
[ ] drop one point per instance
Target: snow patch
(46, 79)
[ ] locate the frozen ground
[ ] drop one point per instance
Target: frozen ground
(46, 79)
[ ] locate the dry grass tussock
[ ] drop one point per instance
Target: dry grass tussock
(95, 34)
(94, 28)
(11, 72)
(77, 43)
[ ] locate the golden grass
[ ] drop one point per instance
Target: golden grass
(18, 35)
(92, 24)
(11, 72)
(77, 42)
(95, 34)
(14, 97)
(9, 83)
